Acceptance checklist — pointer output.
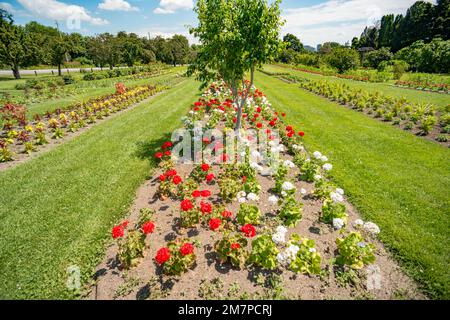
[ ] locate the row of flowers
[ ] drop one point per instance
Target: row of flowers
(399, 111)
(321, 73)
(21, 136)
(424, 86)
(248, 236)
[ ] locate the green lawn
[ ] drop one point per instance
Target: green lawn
(58, 209)
(438, 99)
(398, 180)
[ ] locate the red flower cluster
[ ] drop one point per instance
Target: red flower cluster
(235, 246)
(187, 249)
(205, 167)
(120, 88)
(210, 177)
(227, 214)
(162, 255)
(177, 180)
(215, 224)
(165, 151)
(203, 194)
(148, 227)
(186, 205)
(249, 230)
(119, 231)
(205, 207)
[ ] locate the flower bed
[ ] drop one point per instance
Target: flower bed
(422, 119)
(20, 136)
(425, 86)
(244, 229)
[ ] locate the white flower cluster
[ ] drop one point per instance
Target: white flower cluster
(279, 237)
(298, 148)
(337, 196)
(367, 226)
(273, 200)
(243, 197)
(288, 164)
(286, 257)
(338, 223)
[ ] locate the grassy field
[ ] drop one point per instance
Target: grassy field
(58, 209)
(86, 89)
(399, 181)
(438, 99)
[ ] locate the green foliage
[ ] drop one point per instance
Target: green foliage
(131, 249)
(248, 214)
(237, 255)
(332, 210)
(292, 42)
(307, 260)
(354, 251)
(290, 212)
(343, 59)
(264, 252)
(178, 264)
(229, 188)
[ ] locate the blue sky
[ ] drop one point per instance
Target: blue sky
(313, 21)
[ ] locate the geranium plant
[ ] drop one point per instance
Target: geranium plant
(264, 252)
(354, 251)
(248, 214)
(232, 248)
(290, 212)
(177, 258)
(307, 260)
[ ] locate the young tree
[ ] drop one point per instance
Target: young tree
(236, 36)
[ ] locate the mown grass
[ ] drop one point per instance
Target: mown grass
(438, 99)
(57, 210)
(399, 181)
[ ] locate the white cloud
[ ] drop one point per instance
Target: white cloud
(171, 6)
(56, 10)
(116, 5)
(166, 32)
(339, 20)
(7, 6)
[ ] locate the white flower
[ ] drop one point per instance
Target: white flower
(340, 191)
(242, 200)
(336, 197)
(338, 223)
(272, 143)
(256, 154)
(289, 164)
(292, 251)
(372, 227)
(243, 154)
(287, 186)
(362, 244)
(273, 200)
(312, 250)
(283, 259)
(327, 167)
(295, 147)
(358, 223)
(281, 229)
(279, 238)
(317, 177)
(241, 197)
(303, 191)
(252, 197)
(191, 112)
(317, 155)
(324, 159)
(283, 193)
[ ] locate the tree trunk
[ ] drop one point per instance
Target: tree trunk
(59, 70)
(16, 72)
(111, 67)
(252, 76)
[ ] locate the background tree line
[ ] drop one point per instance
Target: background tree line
(418, 41)
(35, 44)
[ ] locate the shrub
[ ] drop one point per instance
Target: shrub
(264, 252)
(354, 251)
(248, 214)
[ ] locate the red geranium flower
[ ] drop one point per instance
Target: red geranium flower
(234, 120)
(244, 179)
(186, 205)
(227, 214)
(301, 134)
(125, 223)
(259, 125)
(187, 249)
(283, 114)
(210, 177)
(167, 145)
(235, 246)
(249, 230)
(289, 128)
(171, 173)
(259, 109)
(215, 224)
(168, 153)
(159, 155)
(177, 180)
(162, 178)
(198, 104)
(148, 227)
(205, 167)
(290, 134)
(118, 232)
(206, 207)
(196, 194)
(206, 193)
(162, 255)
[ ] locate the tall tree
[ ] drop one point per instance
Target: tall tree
(292, 42)
(16, 45)
(386, 31)
(179, 49)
